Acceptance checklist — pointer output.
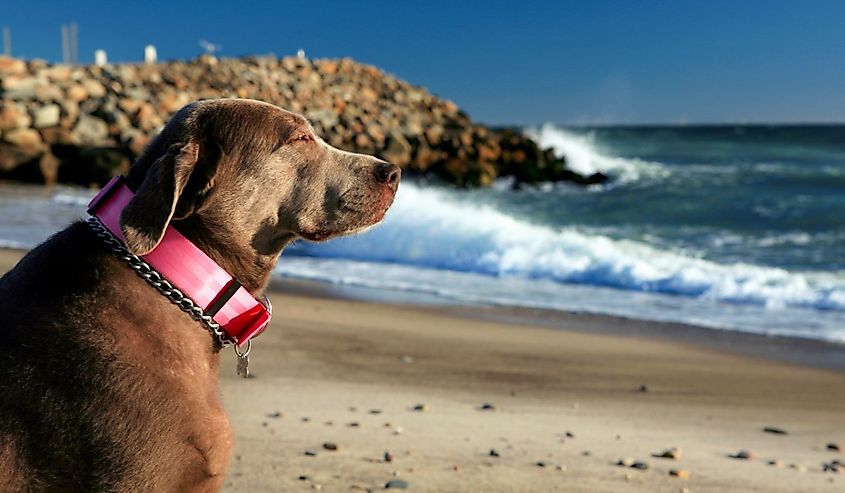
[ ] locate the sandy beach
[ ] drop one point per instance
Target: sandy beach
(400, 391)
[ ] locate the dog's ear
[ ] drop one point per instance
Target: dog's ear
(144, 220)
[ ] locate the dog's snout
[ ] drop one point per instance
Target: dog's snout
(388, 174)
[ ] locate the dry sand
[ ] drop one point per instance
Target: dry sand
(326, 363)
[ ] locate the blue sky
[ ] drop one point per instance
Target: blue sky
(509, 62)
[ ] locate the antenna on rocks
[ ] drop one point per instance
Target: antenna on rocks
(65, 45)
(74, 49)
(7, 41)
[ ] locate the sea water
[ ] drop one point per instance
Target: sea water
(729, 227)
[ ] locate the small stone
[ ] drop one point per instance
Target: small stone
(673, 453)
(560, 467)
(353, 409)
(540, 463)
(274, 414)
(398, 484)
(628, 476)
(306, 419)
(487, 406)
(586, 453)
(406, 359)
(679, 473)
(774, 430)
(642, 466)
(311, 453)
(798, 467)
(303, 478)
(317, 487)
(329, 423)
(388, 457)
(834, 447)
(398, 430)
(420, 407)
(375, 411)
(494, 452)
(353, 424)
(569, 434)
(775, 463)
(742, 455)
(625, 462)
(832, 467)
(330, 446)
(456, 468)
(643, 388)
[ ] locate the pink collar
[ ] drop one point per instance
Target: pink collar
(188, 268)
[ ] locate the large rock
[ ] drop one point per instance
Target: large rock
(46, 116)
(90, 131)
(13, 115)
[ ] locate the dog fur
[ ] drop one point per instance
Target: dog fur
(107, 386)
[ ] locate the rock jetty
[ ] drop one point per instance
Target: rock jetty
(83, 124)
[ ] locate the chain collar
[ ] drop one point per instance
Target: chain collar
(156, 280)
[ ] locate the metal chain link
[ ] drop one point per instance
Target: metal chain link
(155, 279)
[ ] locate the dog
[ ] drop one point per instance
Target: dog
(107, 384)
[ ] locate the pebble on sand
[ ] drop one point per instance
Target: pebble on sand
(487, 406)
(388, 457)
(406, 359)
(494, 453)
(420, 407)
(353, 424)
(398, 484)
(375, 411)
(798, 467)
(742, 455)
(274, 414)
(625, 462)
(775, 463)
(673, 453)
(643, 388)
(569, 434)
(679, 473)
(834, 447)
(774, 430)
(642, 466)
(311, 453)
(330, 446)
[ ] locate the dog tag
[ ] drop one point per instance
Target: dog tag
(243, 366)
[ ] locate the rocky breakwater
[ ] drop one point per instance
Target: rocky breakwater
(83, 124)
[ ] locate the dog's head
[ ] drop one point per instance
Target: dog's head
(246, 175)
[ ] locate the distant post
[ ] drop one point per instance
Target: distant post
(7, 41)
(65, 45)
(150, 54)
(74, 48)
(100, 58)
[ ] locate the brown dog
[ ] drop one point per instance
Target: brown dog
(108, 386)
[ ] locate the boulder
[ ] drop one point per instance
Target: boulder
(46, 116)
(90, 131)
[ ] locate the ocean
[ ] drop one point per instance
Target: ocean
(730, 227)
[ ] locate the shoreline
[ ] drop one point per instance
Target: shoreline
(794, 350)
(800, 351)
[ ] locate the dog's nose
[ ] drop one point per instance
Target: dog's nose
(388, 174)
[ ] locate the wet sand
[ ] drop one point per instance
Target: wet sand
(350, 372)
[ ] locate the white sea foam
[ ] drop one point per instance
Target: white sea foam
(583, 156)
(433, 228)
